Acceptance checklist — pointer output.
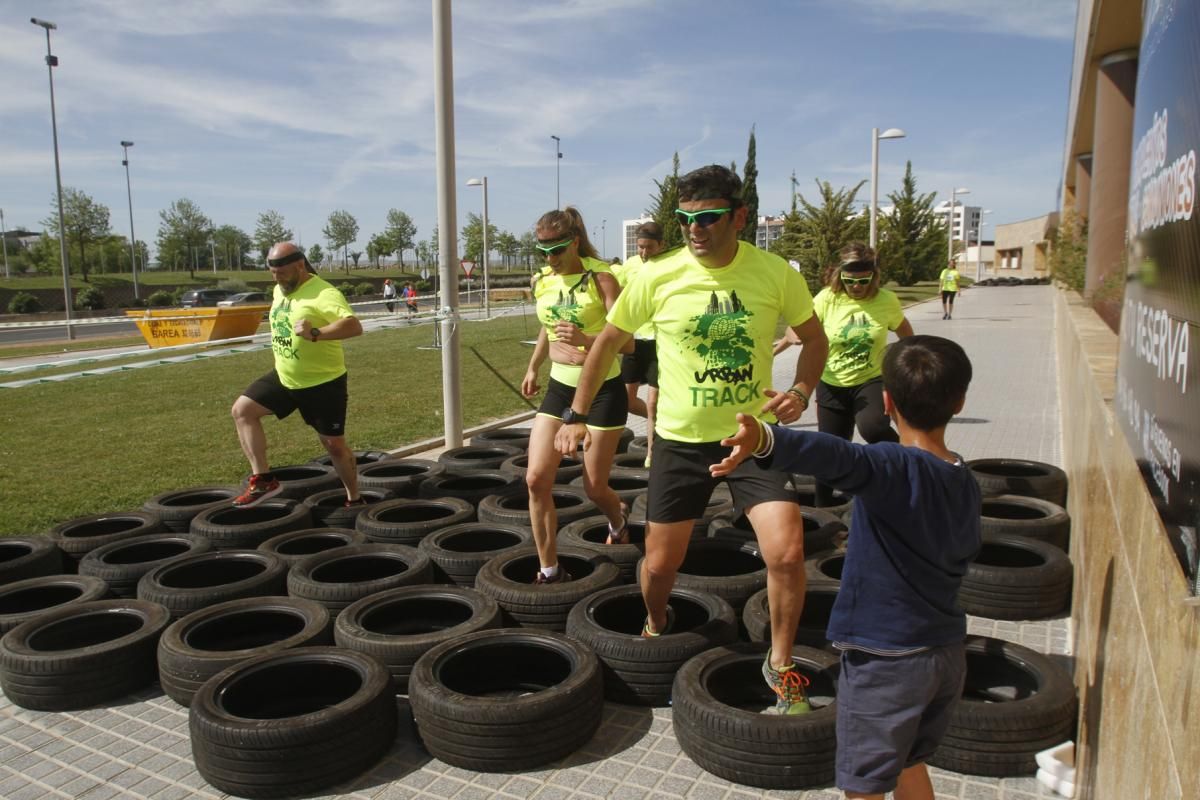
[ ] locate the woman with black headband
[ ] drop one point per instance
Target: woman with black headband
(857, 316)
(573, 297)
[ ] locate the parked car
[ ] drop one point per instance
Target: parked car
(244, 298)
(193, 298)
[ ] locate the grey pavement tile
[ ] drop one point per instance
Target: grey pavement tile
(626, 792)
(659, 761)
(39, 771)
(12, 783)
(444, 786)
(173, 792)
(491, 780)
(151, 786)
(973, 790)
(101, 793)
(598, 786)
(80, 785)
(522, 786)
(30, 791)
(705, 790)
(641, 776)
(674, 785)
(473, 792)
(552, 793)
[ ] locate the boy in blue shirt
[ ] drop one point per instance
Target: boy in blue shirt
(915, 527)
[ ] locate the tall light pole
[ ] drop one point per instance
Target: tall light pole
(51, 63)
(557, 159)
(979, 248)
(4, 242)
(129, 192)
(212, 246)
(950, 224)
(890, 133)
(487, 307)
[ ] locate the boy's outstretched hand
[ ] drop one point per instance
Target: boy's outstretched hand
(744, 443)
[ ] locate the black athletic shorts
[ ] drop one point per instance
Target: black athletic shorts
(641, 366)
(680, 483)
(322, 406)
(948, 296)
(609, 409)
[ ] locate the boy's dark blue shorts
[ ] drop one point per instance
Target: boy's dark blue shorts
(892, 712)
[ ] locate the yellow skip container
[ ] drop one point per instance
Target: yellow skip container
(164, 327)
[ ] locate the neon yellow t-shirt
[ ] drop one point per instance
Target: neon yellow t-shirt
(857, 332)
(949, 279)
(714, 332)
(301, 362)
(624, 274)
(575, 299)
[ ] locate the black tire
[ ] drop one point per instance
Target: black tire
(625, 438)
(81, 655)
(398, 626)
(295, 545)
(1013, 515)
(298, 481)
(508, 579)
(361, 458)
(1014, 700)
(177, 508)
(230, 528)
(29, 557)
(337, 578)
(472, 488)
(409, 520)
(640, 671)
(508, 437)
(1018, 476)
(471, 458)
(629, 461)
(539, 699)
(717, 701)
(569, 468)
(629, 485)
(570, 502)
(730, 570)
(825, 569)
(807, 495)
(638, 446)
(1017, 578)
(591, 533)
(460, 551)
(190, 583)
(814, 619)
(292, 723)
(78, 537)
(122, 564)
(21, 601)
(205, 642)
(400, 476)
(820, 529)
(328, 509)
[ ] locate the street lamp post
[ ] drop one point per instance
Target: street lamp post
(487, 306)
(4, 242)
(557, 159)
(132, 241)
(890, 133)
(51, 63)
(979, 246)
(950, 223)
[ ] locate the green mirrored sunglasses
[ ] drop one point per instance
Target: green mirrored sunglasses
(703, 218)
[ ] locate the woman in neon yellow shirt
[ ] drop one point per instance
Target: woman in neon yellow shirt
(573, 297)
(949, 283)
(857, 316)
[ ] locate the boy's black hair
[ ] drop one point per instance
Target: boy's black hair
(927, 377)
(713, 182)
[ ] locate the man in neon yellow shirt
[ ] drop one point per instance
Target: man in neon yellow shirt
(714, 306)
(949, 283)
(308, 318)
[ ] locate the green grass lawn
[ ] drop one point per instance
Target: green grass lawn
(80, 344)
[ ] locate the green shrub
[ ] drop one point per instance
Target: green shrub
(366, 287)
(90, 299)
(23, 303)
(162, 298)
(234, 285)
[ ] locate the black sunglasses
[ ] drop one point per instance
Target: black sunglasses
(283, 261)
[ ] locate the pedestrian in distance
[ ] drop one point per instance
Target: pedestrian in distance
(948, 280)
(410, 300)
(857, 316)
(573, 298)
(309, 318)
(389, 295)
(915, 529)
(714, 306)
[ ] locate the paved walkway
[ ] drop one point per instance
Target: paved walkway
(139, 748)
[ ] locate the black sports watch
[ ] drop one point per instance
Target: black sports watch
(315, 333)
(571, 417)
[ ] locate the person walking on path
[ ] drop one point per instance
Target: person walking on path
(915, 529)
(857, 316)
(641, 366)
(309, 318)
(573, 299)
(389, 294)
(948, 280)
(714, 306)
(410, 300)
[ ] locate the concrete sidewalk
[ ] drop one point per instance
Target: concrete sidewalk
(139, 748)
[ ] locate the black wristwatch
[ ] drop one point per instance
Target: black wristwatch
(314, 332)
(570, 417)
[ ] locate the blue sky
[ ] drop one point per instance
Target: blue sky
(307, 107)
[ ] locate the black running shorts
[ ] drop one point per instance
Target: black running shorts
(680, 483)
(608, 412)
(322, 406)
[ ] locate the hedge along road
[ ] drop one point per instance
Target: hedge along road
(109, 442)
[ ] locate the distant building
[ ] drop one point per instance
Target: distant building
(629, 236)
(1022, 248)
(769, 229)
(965, 220)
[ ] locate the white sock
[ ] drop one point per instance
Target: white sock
(550, 572)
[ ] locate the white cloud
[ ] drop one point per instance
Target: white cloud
(1039, 19)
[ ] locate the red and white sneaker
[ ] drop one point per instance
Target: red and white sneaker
(261, 487)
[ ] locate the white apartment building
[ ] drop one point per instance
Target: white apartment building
(966, 219)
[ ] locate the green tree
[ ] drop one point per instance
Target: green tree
(472, 234)
(377, 247)
(422, 253)
(663, 205)
(750, 192)
(43, 256)
(231, 244)
(912, 239)
(355, 255)
(184, 231)
(508, 247)
(341, 231)
(86, 222)
(316, 256)
(813, 234)
(270, 229)
(528, 249)
(1068, 251)
(400, 232)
